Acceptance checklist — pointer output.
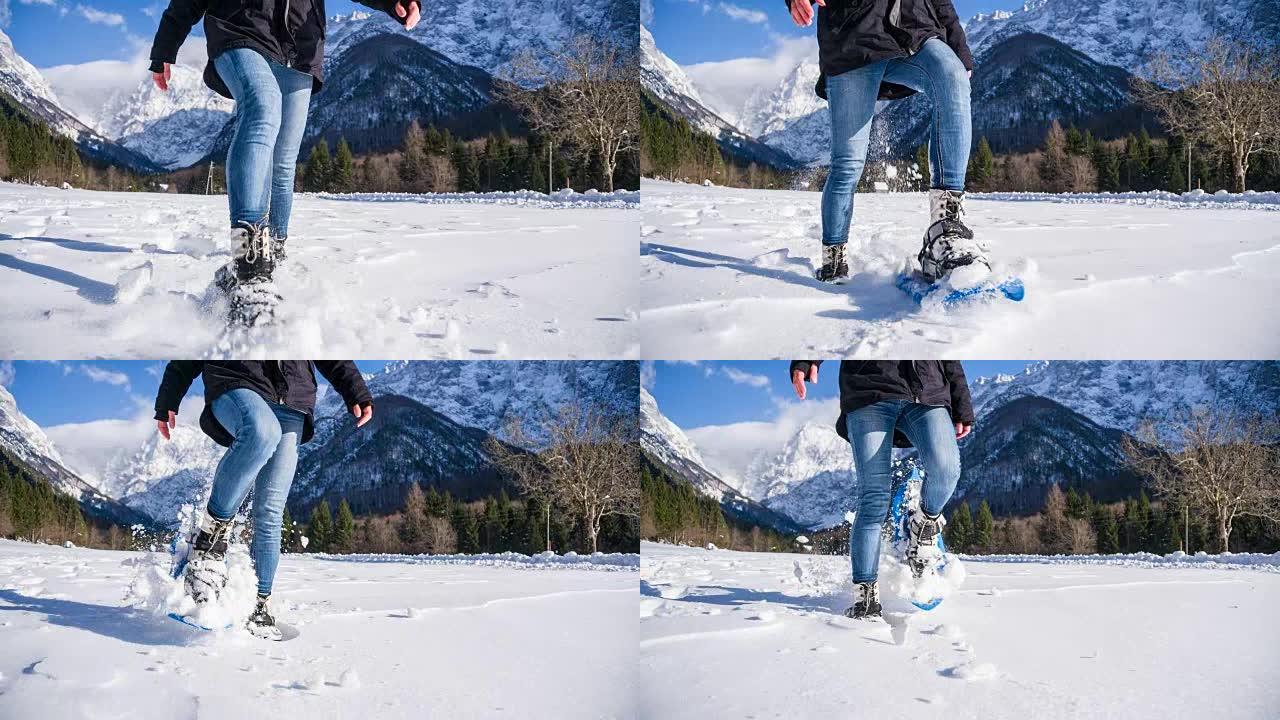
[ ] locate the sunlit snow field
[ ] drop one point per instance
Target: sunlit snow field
(728, 273)
(737, 635)
(381, 636)
(128, 275)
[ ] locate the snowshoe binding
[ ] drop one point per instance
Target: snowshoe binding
(278, 252)
(922, 536)
(948, 243)
(866, 604)
(835, 269)
(246, 280)
(204, 571)
(261, 623)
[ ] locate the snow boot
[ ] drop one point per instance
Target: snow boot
(261, 623)
(205, 573)
(922, 540)
(246, 280)
(948, 243)
(866, 604)
(834, 267)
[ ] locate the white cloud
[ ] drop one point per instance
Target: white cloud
(50, 3)
(730, 449)
(727, 84)
(648, 375)
(84, 88)
(89, 448)
(153, 10)
(744, 378)
(755, 17)
(646, 13)
(100, 17)
(5, 15)
(7, 373)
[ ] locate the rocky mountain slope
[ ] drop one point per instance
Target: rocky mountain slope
(21, 81)
(27, 443)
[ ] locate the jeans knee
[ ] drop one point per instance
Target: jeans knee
(844, 172)
(260, 113)
(259, 437)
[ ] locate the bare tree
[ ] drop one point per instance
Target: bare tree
(586, 91)
(439, 536)
(529, 470)
(1227, 100)
(1221, 465)
(591, 465)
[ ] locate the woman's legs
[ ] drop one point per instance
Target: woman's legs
(253, 84)
(871, 436)
(270, 493)
(295, 93)
(851, 98)
(932, 432)
(257, 432)
(937, 72)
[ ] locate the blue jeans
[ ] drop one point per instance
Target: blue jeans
(262, 458)
(935, 71)
(932, 432)
(271, 115)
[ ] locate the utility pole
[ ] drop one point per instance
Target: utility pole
(208, 183)
(1186, 530)
(549, 188)
(1188, 165)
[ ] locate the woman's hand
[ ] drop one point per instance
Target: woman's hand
(165, 427)
(962, 430)
(162, 82)
(408, 11)
(363, 413)
(802, 11)
(797, 380)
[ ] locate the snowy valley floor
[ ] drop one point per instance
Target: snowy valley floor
(728, 273)
(753, 635)
(394, 639)
(121, 275)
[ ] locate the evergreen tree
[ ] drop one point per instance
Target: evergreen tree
(468, 168)
(315, 177)
(1107, 166)
(1076, 144)
(983, 529)
(344, 529)
(1077, 507)
(343, 171)
(1175, 166)
(1104, 526)
(959, 532)
(982, 166)
(466, 528)
(320, 529)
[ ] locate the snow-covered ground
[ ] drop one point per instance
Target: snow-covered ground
(728, 273)
(125, 275)
(486, 637)
(731, 634)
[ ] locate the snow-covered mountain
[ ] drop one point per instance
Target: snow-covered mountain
(26, 442)
(1128, 33)
(489, 37)
(163, 475)
(1025, 445)
(666, 445)
(174, 129)
(386, 80)
(770, 109)
(1019, 85)
(21, 81)
(406, 442)
(667, 83)
(811, 479)
(485, 394)
(1121, 394)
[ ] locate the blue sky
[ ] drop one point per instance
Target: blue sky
(56, 393)
(61, 32)
(723, 393)
(697, 31)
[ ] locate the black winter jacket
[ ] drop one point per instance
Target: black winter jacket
(854, 33)
(288, 382)
(290, 32)
(939, 383)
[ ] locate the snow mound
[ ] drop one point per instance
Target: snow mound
(608, 562)
(566, 198)
(1250, 199)
(1225, 561)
